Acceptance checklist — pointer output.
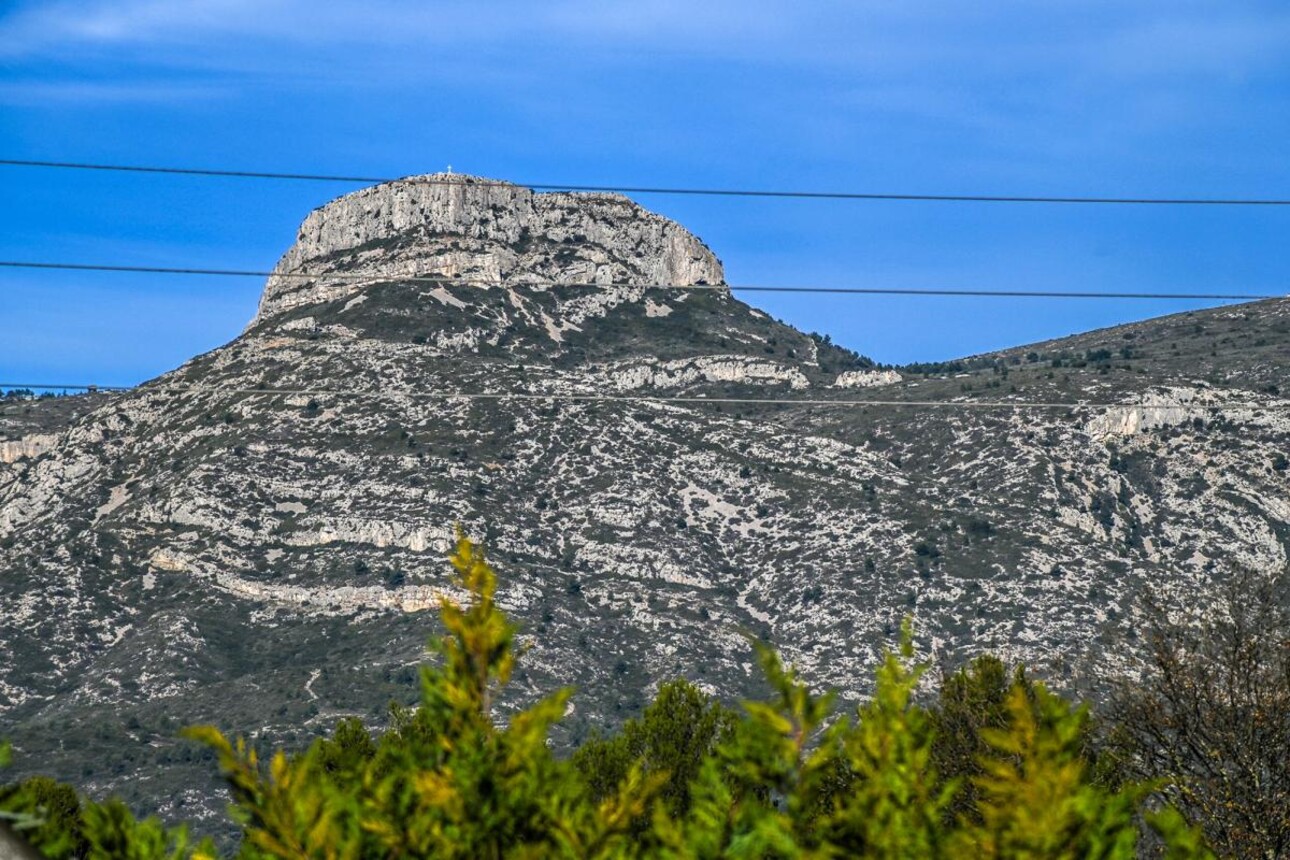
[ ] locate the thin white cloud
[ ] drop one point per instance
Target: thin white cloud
(1222, 43)
(906, 38)
(52, 27)
(1011, 67)
(47, 93)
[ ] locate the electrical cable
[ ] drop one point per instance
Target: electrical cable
(445, 179)
(747, 288)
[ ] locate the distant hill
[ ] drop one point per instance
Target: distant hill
(255, 538)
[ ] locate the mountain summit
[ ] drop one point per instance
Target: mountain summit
(484, 232)
(254, 538)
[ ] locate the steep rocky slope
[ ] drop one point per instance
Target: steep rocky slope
(256, 538)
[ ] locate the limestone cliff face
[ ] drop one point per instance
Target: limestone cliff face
(866, 378)
(26, 447)
(1168, 408)
(482, 230)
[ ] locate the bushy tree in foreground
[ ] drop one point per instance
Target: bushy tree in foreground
(786, 778)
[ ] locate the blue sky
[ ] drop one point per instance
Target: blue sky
(1170, 98)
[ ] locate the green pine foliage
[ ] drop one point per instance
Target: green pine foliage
(52, 818)
(675, 734)
(972, 700)
(998, 769)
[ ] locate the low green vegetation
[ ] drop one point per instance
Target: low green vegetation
(997, 766)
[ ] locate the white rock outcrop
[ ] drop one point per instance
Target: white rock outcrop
(26, 447)
(706, 368)
(1157, 409)
(485, 231)
(866, 378)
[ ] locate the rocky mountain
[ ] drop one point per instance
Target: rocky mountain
(256, 539)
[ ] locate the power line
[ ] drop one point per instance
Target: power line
(632, 398)
(446, 280)
(50, 386)
(709, 192)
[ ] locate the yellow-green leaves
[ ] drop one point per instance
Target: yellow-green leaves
(479, 648)
(1036, 798)
(895, 802)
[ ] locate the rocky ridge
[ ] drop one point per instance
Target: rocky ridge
(491, 234)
